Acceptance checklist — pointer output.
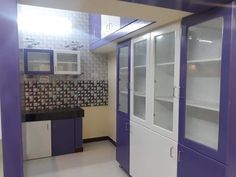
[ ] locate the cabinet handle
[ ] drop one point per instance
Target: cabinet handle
(171, 152)
(173, 92)
(127, 126)
(179, 156)
(47, 126)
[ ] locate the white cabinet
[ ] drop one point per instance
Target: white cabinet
(36, 139)
(67, 62)
(164, 80)
(151, 154)
(154, 103)
(109, 24)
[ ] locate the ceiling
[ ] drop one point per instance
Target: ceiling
(113, 7)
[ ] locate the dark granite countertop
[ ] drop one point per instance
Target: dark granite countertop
(53, 115)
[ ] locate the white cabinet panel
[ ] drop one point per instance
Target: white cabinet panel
(151, 154)
(36, 139)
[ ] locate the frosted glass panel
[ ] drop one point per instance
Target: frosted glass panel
(140, 107)
(164, 80)
(123, 79)
(165, 48)
(38, 61)
(67, 62)
(140, 53)
(139, 76)
(203, 82)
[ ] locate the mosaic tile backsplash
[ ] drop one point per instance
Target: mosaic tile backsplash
(41, 96)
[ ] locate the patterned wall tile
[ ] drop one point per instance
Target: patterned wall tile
(64, 95)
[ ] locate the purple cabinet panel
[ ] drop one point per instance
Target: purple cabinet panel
(123, 139)
(10, 91)
(194, 164)
(194, 6)
(220, 153)
(123, 119)
(63, 136)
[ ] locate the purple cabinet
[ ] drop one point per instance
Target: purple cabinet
(123, 107)
(208, 94)
(195, 6)
(38, 61)
(63, 136)
(67, 136)
(194, 164)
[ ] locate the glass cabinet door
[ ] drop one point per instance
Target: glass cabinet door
(38, 60)
(203, 82)
(139, 78)
(123, 79)
(164, 80)
(67, 63)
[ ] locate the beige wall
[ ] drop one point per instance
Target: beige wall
(101, 120)
(112, 95)
(95, 122)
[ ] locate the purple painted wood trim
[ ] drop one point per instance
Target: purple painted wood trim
(118, 34)
(10, 91)
(50, 52)
(195, 6)
(123, 150)
(226, 13)
(231, 150)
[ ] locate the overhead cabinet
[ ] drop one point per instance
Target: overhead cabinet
(38, 61)
(67, 62)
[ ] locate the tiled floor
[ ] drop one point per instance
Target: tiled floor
(97, 160)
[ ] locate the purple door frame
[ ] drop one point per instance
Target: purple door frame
(226, 13)
(10, 90)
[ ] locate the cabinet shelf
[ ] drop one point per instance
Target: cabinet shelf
(139, 94)
(204, 60)
(166, 64)
(123, 92)
(140, 67)
(38, 62)
(203, 105)
(165, 99)
(66, 62)
(123, 68)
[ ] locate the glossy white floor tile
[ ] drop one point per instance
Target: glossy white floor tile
(97, 160)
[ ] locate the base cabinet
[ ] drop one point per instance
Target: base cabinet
(122, 151)
(151, 154)
(36, 139)
(194, 164)
(63, 136)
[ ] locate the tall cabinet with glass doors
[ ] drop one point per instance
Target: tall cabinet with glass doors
(208, 95)
(154, 97)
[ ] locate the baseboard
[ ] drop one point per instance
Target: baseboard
(97, 139)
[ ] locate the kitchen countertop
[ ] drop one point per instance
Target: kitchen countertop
(53, 115)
